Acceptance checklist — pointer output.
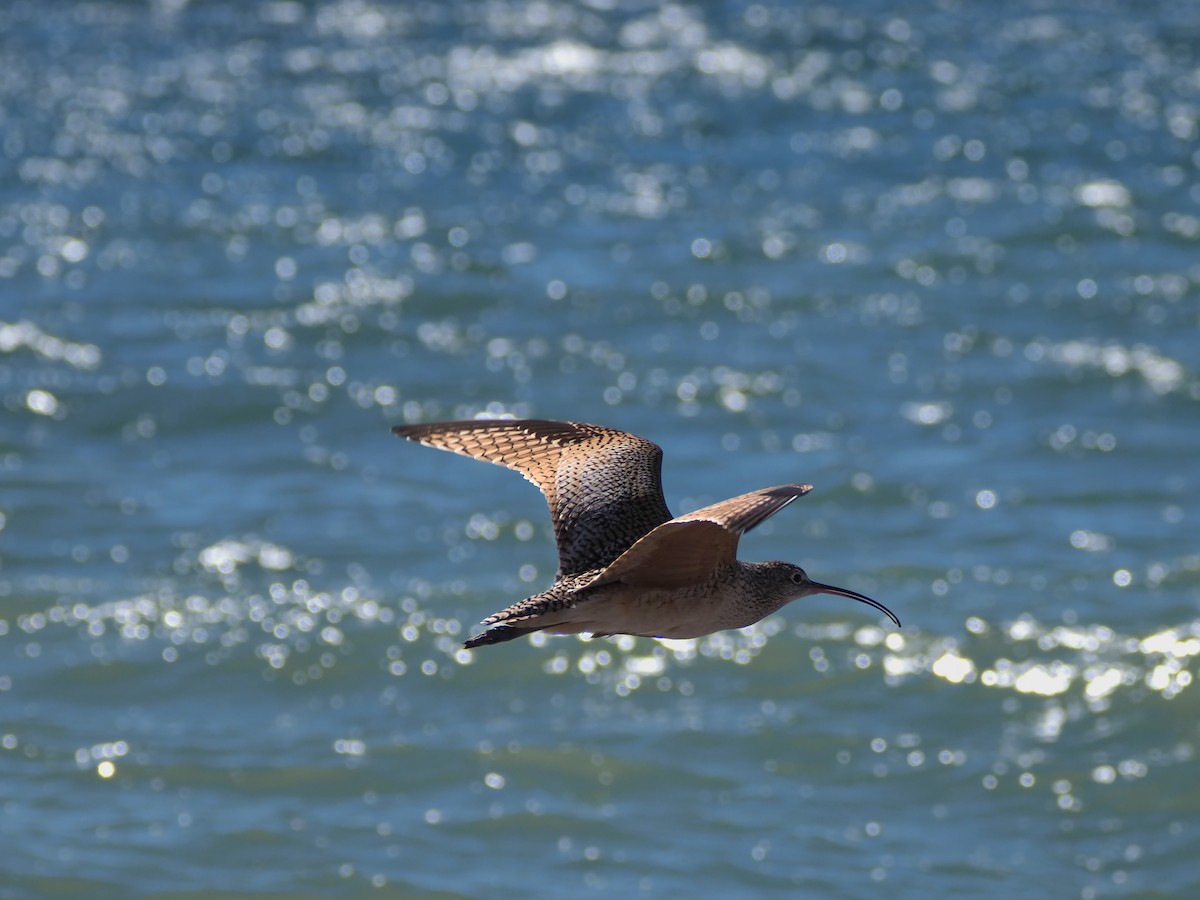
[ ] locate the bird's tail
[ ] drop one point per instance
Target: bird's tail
(498, 634)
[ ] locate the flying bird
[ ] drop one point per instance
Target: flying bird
(625, 566)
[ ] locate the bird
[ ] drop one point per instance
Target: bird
(625, 565)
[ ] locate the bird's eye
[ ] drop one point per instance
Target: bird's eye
(797, 578)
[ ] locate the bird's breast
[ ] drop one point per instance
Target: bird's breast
(679, 613)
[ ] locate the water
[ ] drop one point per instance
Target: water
(939, 263)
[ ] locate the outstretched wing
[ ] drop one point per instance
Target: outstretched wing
(603, 487)
(686, 550)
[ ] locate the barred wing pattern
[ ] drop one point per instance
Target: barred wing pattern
(603, 487)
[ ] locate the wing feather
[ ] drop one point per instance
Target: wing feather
(603, 487)
(687, 549)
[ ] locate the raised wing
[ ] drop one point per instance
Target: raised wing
(603, 487)
(686, 550)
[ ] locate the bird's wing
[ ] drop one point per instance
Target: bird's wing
(604, 487)
(686, 550)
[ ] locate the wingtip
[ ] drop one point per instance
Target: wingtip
(791, 491)
(795, 490)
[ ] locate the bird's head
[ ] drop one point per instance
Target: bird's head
(794, 583)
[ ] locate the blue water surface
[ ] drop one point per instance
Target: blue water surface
(939, 260)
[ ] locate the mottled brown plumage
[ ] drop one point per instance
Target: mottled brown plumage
(604, 487)
(625, 566)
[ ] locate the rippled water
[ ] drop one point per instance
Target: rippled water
(940, 263)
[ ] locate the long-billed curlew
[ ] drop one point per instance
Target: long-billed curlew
(624, 565)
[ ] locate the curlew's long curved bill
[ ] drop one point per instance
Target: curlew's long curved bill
(818, 588)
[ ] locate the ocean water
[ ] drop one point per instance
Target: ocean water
(940, 260)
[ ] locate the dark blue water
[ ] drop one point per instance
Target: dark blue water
(938, 260)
